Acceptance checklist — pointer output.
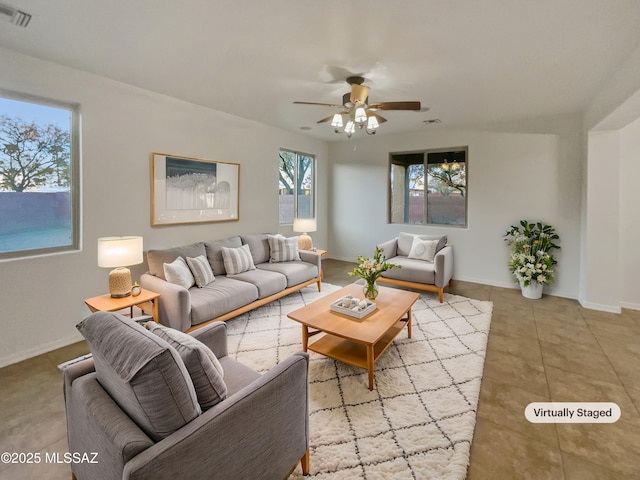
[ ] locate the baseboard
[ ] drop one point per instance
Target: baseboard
(601, 307)
(39, 350)
(630, 306)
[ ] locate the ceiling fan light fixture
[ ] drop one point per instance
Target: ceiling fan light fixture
(372, 125)
(350, 128)
(360, 116)
(337, 121)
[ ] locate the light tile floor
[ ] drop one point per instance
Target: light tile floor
(539, 350)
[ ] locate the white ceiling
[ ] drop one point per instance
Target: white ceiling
(471, 62)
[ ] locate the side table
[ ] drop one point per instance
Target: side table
(147, 301)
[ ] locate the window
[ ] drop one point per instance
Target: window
(429, 187)
(39, 176)
(296, 186)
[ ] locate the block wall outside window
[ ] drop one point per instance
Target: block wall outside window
(39, 176)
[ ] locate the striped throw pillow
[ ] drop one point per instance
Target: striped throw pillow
(283, 249)
(237, 260)
(201, 270)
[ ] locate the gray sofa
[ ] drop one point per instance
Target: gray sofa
(418, 273)
(228, 295)
(137, 410)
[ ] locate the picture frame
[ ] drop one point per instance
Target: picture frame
(193, 190)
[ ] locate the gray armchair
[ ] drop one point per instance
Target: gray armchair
(259, 431)
(417, 273)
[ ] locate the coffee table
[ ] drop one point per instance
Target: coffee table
(358, 342)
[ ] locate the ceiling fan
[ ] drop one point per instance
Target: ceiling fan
(357, 112)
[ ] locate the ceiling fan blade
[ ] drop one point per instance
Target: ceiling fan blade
(396, 106)
(321, 104)
(324, 120)
(359, 93)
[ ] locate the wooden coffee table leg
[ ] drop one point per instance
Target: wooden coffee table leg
(409, 323)
(370, 365)
(305, 338)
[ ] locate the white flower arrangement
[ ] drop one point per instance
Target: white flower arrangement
(530, 259)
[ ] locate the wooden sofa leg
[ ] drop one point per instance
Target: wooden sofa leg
(73, 476)
(319, 283)
(440, 294)
(304, 462)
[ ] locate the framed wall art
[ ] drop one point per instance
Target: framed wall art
(193, 190)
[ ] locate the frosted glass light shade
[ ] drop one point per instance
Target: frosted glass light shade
(360, 115)
(337, 121)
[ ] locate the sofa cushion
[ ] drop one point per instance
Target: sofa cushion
(405, 242)
(178, 273)
(220, 297)
(157, 258)
(213, 249)
(423, 249)
(141, 372)
(236, 375)
(296, 272)
(267, 283)
(259, 246)
(412, 270)
(204, 368)
(237, 260)
(283, 249)
(201, 270)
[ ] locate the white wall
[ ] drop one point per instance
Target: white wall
(41, 299)
(511, 176)
(629, 215)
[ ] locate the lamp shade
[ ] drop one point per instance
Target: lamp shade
(304, 225)
(119, 251)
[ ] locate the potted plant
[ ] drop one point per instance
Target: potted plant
(370, 271)
(531, 261)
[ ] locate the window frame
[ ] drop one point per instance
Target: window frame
(75, 189)
(295, 181)
(426, 152)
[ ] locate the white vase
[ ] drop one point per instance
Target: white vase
(532, 291)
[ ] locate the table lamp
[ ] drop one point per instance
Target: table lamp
(305, 225)
(119, 252)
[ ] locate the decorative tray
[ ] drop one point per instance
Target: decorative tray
(355, 310)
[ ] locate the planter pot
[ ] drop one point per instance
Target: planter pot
(532, 291)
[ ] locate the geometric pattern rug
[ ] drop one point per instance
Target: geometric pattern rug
(418, 421)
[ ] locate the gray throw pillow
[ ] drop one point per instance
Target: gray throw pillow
(141, 372)
(178, 273)
(201, 270)
(204, 368)
(405, 242)
(283, 249)
(237, 260)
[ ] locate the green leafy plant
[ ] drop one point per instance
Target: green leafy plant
(371, 269)
(530, 259)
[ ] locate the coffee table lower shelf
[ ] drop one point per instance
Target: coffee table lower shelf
(355, 353)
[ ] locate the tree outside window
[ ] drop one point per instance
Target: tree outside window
(38, 177)
(296, 186)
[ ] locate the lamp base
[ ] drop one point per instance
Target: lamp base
(305, 242)
(120, 282)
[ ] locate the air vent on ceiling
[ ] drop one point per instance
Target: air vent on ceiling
(15, 16)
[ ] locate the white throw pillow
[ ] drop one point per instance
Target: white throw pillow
(237, 260)
(423, 249)
(178, 272)
(201, 270)
(283, 249)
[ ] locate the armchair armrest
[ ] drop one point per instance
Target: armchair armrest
(213, 336)
(174, 306)
(260, 432)
(390, 248)
(443, 262)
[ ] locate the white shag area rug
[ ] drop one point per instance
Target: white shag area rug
(417, 423)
